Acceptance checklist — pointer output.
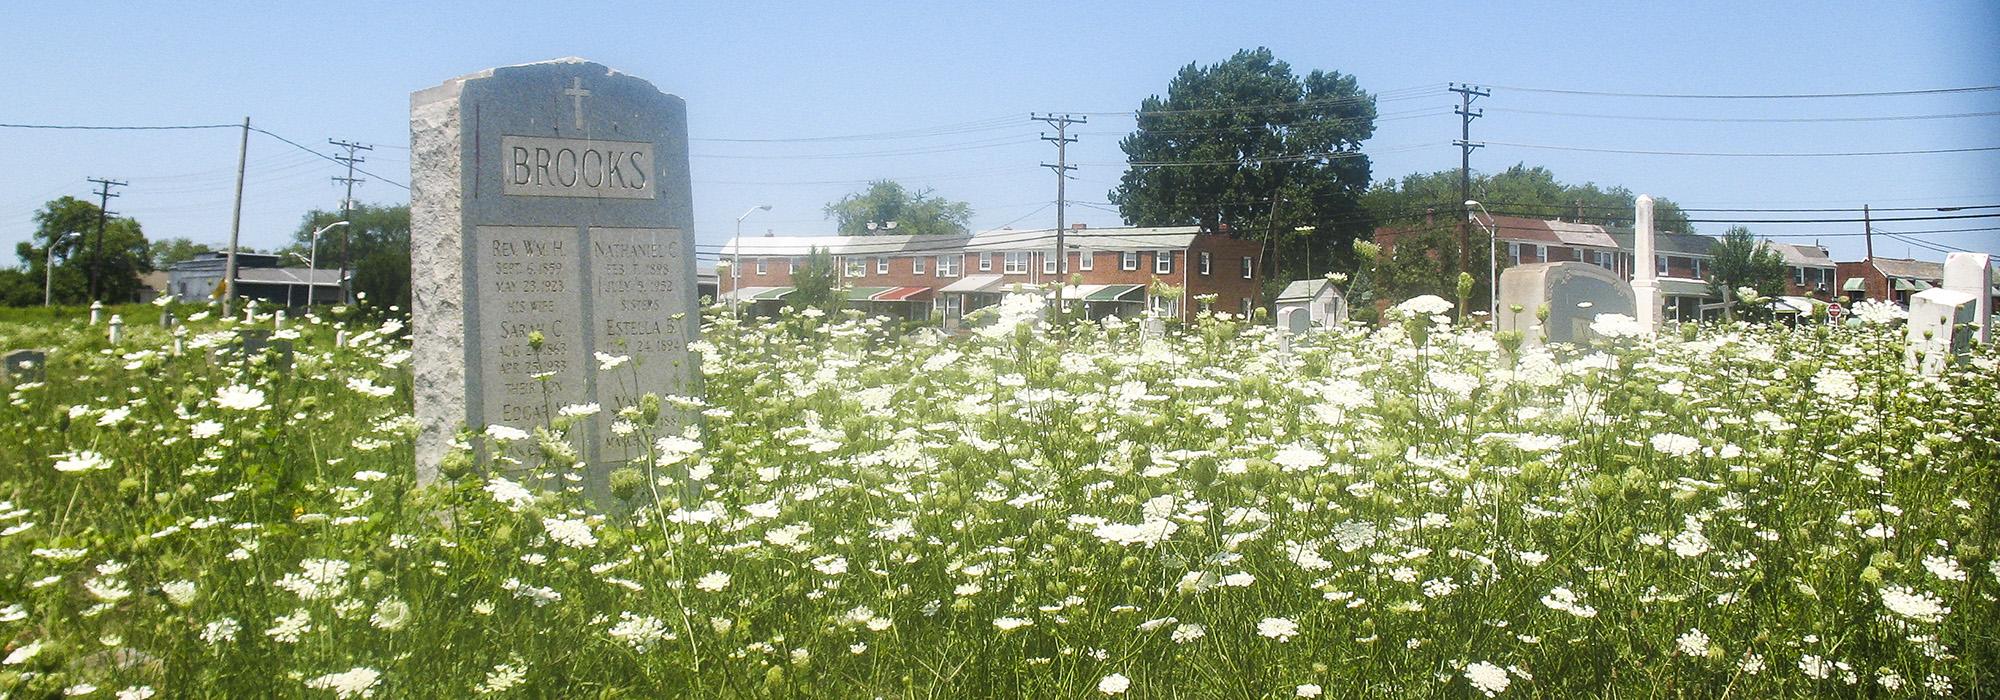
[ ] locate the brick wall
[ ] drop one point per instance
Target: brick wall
(1225, 278)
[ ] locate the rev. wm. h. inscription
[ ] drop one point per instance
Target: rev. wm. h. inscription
(546, 167)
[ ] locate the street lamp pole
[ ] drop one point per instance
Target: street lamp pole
(49, 268)
(312, 261)
(1492, 261)
(736, 265)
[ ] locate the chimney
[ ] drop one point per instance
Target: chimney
(770, 233)
(1078, 227)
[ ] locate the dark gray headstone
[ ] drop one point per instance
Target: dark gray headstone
(26, 366)
(548, 200)
(1574, 292)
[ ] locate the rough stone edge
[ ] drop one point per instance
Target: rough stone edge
(437, 275)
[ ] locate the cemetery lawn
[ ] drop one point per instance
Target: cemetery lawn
(1413, 511)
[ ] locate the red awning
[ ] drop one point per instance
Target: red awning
(901, 294)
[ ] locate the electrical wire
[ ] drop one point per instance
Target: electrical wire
(1731, 154)
(1752, 120)
(120, 128)
(1802, 96)
(326, 157)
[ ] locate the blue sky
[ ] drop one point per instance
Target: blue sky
(969, 75)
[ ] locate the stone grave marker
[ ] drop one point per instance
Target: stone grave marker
(1939, 328)
(1574, 292)
(117, 333)
(167, 319)
(1295, 320)
(1972, 273)
(26, 366)
(552, 221)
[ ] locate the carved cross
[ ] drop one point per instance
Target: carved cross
(576, 94)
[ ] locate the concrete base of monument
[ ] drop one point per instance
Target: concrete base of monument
(1574, 294)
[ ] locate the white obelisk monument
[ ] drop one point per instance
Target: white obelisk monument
(1645, 291)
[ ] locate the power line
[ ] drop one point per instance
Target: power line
(1725, 154)
(119, 128)
(1641, 117)
(328, 158)
(1843, 221)
(1799, 96)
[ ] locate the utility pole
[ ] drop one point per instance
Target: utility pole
(347, 206)
(235, 225)
(1061, 167)
(1465, 112)
(1868, 233)
(104, 196)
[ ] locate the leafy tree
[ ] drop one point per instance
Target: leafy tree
(1248, 143)
(920, 213)
(167, 251)
(1517, 191)
(376, 244)
(816, 284)
(1743, 261)
(125, 253)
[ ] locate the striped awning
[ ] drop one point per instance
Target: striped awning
(864, 293)
(1118, 292)
(756, 294)
(902, 294)
(973, 283)
(1854, 284)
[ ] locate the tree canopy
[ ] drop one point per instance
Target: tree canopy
(125, 256)
(1743, 261)
(1249, 143)
(167, 251)
(375, 244)
(920, 213)
(816, 282)
(1532, 192)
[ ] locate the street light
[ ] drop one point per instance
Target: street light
(736, 266)
(312, 263)
(49, 267)
(1492, 261)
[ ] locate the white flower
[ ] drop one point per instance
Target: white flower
(1114, 684)
(22, 654)
(1675, 444)
(1278, 628)
(180, 593)
(391, 614)
(579, 410)
(573, 533)
(1617, 326)
(1426, 305)
(607, 361)
(1920, 606)
(79, 690)
(503, 677)
(1188, 632)
(1945, 567)
(641, 632)
(505, 434)
(1299, 458)
(1487, 678)
(81, 461)
(358, 682)
(290, 628)
(238, 397)
(1880, 313)
(221, 630)
(714, 581)
(1836, 384)
(204, 430)
(513, 495)
(1009, 624)
(137, 692)
(1308, 690)
(1693, 643)
(362, 386)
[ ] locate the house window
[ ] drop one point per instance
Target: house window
(1660, 264)
(1163, 262)
(1799, 276)
(1514, 252)
(985, 262)
(882, 265)
(1086, 260)
(1541, 252)
(1016, 264)
(948, 265)
(857, 268)
(1128, 260)
(1204, 263)
(917, 265)
(791, 265)
(1578, 252)
(760, 266)
(1048, 264)
(1249, 267)
(1697, 268)
(1604, 260)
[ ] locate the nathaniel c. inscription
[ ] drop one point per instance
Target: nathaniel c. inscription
(546, 167)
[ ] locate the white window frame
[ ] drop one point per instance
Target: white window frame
(1696, 264)
(1163, 262)
(1660, 265)
(856, 268)
(1048, 264)
(761, 269)
(1604, 260)
(1514, 251)
(1249, 267)
(985, 262)
(791, 266)
(947, 265)
(1205, 265)
(1015, 263)
(881, 264)
(917, 265)
(1128, 260)
(1086, 260)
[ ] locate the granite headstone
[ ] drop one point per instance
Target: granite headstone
(1574, 292)
(25, 366)
(1972, 273)
(551, 218)
(1940, 327)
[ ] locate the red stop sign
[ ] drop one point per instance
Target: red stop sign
(1833, 311)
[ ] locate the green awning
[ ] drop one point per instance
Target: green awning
(1114, 292)
(1903, 285)
(863, 293)
(771, 294)
(1921, 285)
(1854, 284)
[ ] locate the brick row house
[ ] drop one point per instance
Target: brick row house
(1109, 271)
(1893, 279)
